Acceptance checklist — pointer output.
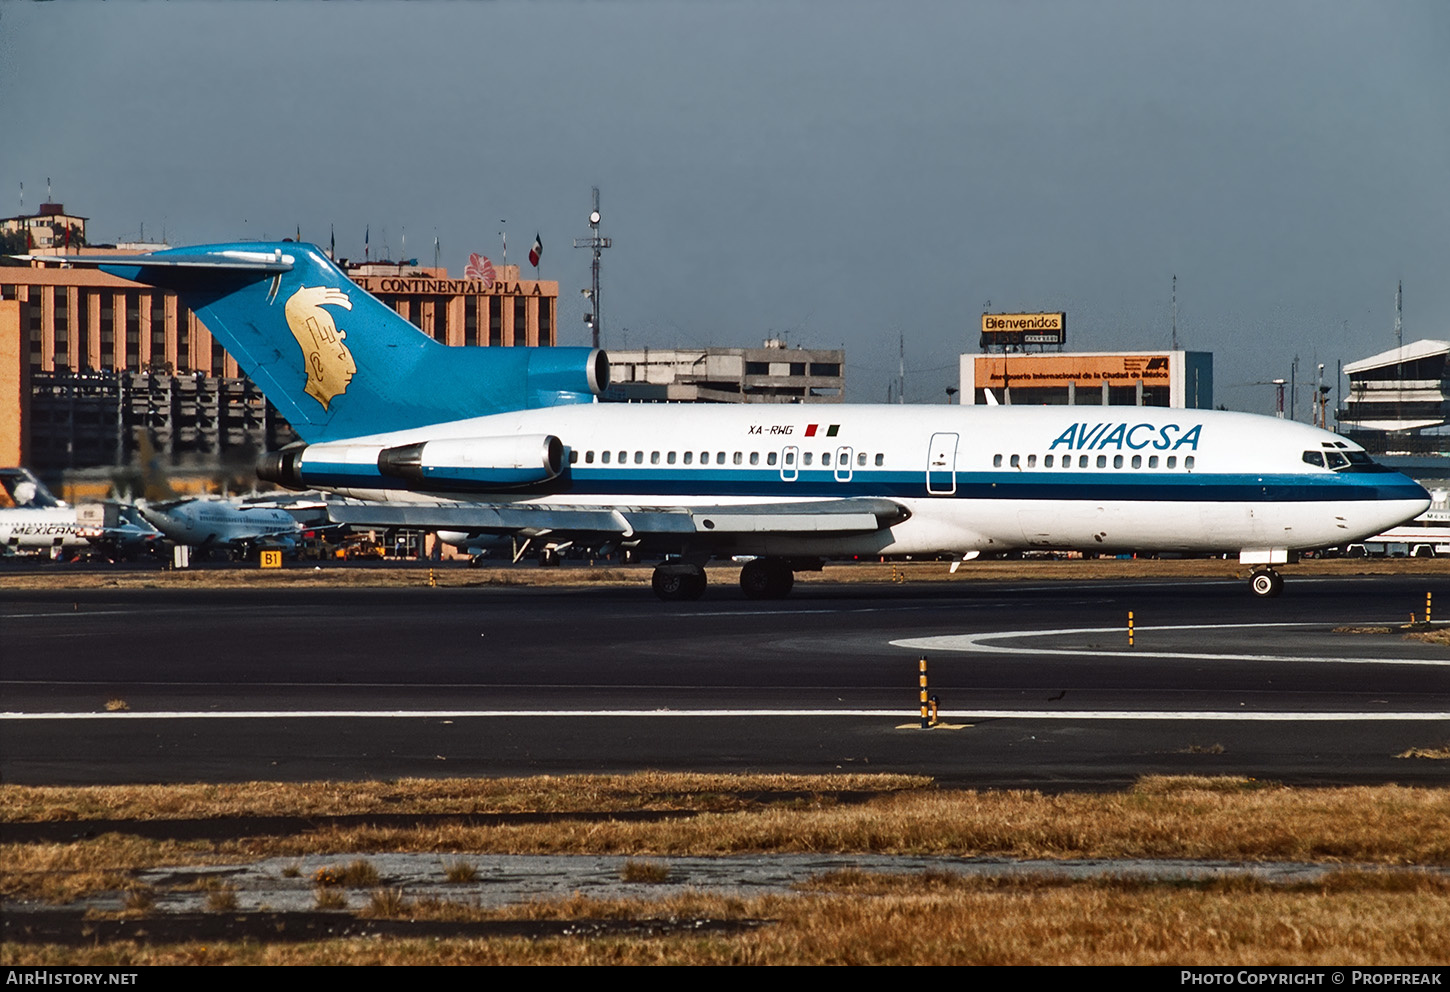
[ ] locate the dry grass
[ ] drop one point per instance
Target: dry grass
(387, 904)
(545, 793)
(222, 900)
(1438, 636)
(329, 898)
(357, 874)
(1432, 753)
(459, 872)
(1218, 818)
(855, 918)
(649, 872)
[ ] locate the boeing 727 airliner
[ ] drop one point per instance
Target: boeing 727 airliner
(510, 441)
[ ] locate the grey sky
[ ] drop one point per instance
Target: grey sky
(834, 172)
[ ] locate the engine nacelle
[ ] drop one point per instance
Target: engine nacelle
(481, 463)
(324, 466)
(475, 464)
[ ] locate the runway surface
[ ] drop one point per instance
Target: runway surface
(1037, 684)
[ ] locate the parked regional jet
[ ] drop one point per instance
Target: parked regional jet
(508, 441)
(214, 522)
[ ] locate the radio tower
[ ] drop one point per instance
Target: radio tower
(597, 243)
(1399, 329)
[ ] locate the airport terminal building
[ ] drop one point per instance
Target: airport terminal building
(771, 373)
(1022, 362)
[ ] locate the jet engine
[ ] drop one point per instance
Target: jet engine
(475, 464)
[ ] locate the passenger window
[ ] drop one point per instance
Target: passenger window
(737, 459)
(806, 458)
(704, 458)
(588, 458)
(1172, 461)
(790, 457)
(1031, 461)
(1102, 461)
(1188, 462)
(654, 457)
(689, 458)
(770, 458)
(1082, 461)
(623, 457)
(880, 460)
(1117, 461)
(1047, 461)
(719, 458)
(861, 459)
(996, 461)
(1015, 462)
(604, 457)
(755, 458)
(639, 457)
(670, 458)
(1137, 461)
(573, 457)
(1152, 461)
(825, 458)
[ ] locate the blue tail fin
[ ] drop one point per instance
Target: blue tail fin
(337, 362)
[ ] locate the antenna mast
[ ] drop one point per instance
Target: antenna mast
(1399, 328)
(1175, 313)
(597, 243)
(901, 367)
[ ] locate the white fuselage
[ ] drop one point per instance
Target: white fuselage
(51, 528)
(972, 478)
(216, 521)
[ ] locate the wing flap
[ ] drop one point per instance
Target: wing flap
(824, 517)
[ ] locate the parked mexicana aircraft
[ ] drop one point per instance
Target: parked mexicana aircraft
(508, 441)
(32, 519)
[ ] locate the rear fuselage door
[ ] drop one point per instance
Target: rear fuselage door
(941, 465)
(843, 464)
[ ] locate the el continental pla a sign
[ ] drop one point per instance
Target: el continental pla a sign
(1023, 328)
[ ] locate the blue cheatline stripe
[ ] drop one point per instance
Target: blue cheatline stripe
(1124, 485)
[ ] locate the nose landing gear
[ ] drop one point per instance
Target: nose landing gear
(1266, 583)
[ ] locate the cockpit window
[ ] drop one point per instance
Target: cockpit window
(1344, 460)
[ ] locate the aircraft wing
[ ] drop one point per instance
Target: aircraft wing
(839, 516)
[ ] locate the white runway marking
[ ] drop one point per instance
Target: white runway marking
(978, 643)
(894, 715)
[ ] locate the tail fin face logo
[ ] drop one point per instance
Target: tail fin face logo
(330, 366)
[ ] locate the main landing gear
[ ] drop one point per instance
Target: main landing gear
(1266, 583)
(678, 581)
(761, 578)
(766, 578)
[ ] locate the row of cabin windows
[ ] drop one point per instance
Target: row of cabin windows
(736, 458)
(1086, 461)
